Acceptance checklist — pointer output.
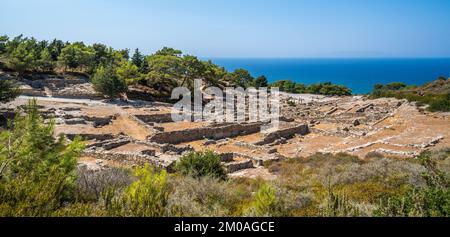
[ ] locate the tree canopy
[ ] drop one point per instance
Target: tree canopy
(107, 82)
(326, 88)
(162, 71)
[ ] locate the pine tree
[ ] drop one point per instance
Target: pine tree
(46, 62)
(145, 67)
(20, 59)
(261, 82)
(8, 91)
(3, 40)
(137, 58)
(107, 82)
(37, 171)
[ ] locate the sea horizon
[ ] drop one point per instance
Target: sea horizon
(358, 73)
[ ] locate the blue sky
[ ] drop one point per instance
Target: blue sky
(242, 28)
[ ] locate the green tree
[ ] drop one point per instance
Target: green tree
(69, 56)
(261, 81)
(191, 69)
(76, 55)
(8, 91)
(3, 40)
(137, 58)
(20, 59)
(101, 54)
(285, 85)
(108, 83)
(145, 67)
(201, 164)
(289, 86)
(124, 54)
(299, 88)
(55, 48)
(214, 74)
(37, 171)
(165, 72)
(128, 72)
(45, 61)
(240, 78)
(166, 51)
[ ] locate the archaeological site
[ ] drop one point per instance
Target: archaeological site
(134, 132)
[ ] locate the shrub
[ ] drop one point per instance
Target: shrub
(145, 197)
(203, 197)
(92, 185)
(201, 164)
(339, 205)
(395, 86)
(441, 104)
(264, 201)
(431, 200)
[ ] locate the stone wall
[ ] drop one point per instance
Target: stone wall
(239, 165)
(78, 91)
(99, 137)
(216, 133)
(155, 118)
(64, 86)
(110, 144)
(284, 133)
(131, 158)
(166, 148)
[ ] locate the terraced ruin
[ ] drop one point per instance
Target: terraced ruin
(130, 133)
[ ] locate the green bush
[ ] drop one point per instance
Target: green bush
(201, 164)
(147, 196)
(431, 200)
(264, 201)
(441, 104)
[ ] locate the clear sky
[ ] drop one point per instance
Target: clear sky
(242, 28)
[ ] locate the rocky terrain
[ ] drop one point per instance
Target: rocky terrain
(130, 133)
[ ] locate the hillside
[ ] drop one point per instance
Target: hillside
(434, 95)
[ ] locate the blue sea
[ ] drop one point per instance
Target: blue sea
(358, 74)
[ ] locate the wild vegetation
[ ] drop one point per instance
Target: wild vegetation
(39, 177)
(436, 94)
(326, 88)
(201, 164)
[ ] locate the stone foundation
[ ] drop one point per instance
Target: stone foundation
(284, 133)
(155, 118)
(98, 137)
(217, 132)
(238, 165)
